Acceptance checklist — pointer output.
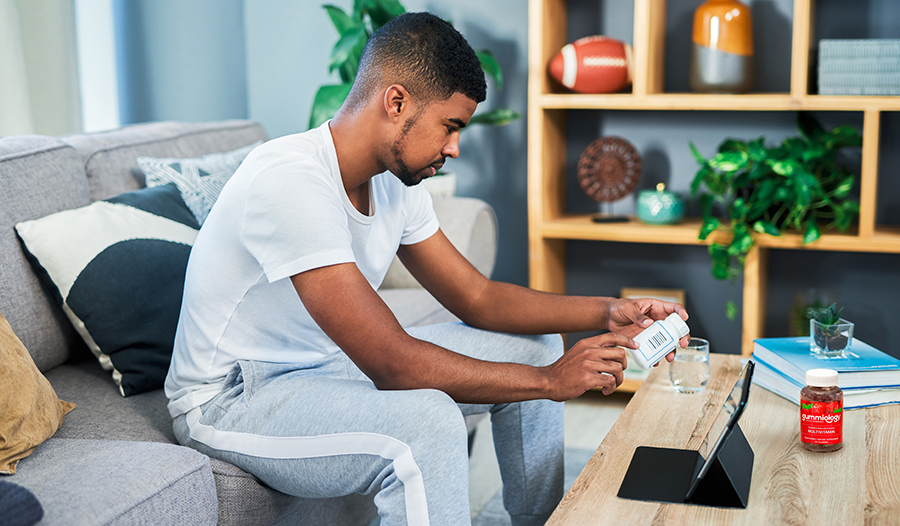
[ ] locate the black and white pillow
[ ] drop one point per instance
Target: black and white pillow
(118, 267)
(200, 180)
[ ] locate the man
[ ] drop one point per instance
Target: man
(287, 363)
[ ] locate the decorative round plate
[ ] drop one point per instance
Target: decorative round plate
(609, 169)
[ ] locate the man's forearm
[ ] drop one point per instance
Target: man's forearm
(510, 308)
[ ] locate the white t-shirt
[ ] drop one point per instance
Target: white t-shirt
(285, 211)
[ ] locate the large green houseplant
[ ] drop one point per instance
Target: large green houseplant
(797, 185)
(354, 30)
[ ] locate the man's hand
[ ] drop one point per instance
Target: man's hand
(631, 316)
(592, 362)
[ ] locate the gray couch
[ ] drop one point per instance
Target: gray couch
(115, 459)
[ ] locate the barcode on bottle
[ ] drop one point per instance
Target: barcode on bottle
(657, 340)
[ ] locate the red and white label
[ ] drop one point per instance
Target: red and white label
(821, 422)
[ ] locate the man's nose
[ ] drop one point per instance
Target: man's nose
(451, 149)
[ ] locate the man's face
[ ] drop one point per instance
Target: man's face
(428, 137)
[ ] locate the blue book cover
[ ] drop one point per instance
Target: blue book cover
(854, 397)
(861, 366)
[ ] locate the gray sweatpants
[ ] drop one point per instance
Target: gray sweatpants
(326, 431)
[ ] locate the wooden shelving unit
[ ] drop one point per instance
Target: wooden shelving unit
(550, 226)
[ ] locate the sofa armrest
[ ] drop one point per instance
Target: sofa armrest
(470, 224)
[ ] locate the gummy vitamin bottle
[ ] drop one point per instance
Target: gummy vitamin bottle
(821, 411)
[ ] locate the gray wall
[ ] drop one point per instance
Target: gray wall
(264, 60)
(180, 60)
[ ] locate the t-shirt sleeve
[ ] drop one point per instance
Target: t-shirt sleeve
(293, 222)
(421, 221)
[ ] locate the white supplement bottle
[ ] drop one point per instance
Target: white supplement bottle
(658, 340)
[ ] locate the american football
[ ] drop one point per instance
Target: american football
(595, 64)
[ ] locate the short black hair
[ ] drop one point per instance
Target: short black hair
(425, 55)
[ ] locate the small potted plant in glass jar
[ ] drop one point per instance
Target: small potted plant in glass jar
(829, 334)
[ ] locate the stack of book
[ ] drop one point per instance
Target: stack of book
(867, 376)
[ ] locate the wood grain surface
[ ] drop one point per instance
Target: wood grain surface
(858, 484)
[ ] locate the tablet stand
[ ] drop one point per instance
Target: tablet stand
(665, 475)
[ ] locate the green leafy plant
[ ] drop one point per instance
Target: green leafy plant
(829, 334)
(354, 30)
(797, 185)
(829, 315)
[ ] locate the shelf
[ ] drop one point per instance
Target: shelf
(708, 102)
(580, 227)
(550, 226)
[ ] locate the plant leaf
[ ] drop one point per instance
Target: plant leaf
(359, 8)
(697, 155)
(786, 167)
(814, 152)
(762, 197)
(741, 242)
(738, 209)
(327, 102)
(732, 145)
(807, 187)
(842, 136)
(710, 224)
(383, 11)
(498, 117)
(341, 21)
(698, 180)
(343, 50)
(730, 310)
(729, 161)
(490, 66)
(783, 195)
(812, 231)
(720, 261)
(844, 188)
(841, 218)
(795, 147)
(765, 227)
(844, 214)
(706, 201)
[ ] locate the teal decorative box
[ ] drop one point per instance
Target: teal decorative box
(660, 207)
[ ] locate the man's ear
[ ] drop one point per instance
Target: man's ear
(396, 102)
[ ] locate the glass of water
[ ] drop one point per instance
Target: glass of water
(690, 370)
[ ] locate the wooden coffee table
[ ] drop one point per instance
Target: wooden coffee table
(859, 484)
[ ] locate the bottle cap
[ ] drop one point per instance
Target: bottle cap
(680, 326)
(821, 377)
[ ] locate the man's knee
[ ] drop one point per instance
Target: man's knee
(545, 349)
(439, 414)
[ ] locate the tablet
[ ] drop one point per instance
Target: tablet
(725, 422)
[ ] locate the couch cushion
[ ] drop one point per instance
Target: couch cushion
(102, 413)
(113, 482)
(243, 499)
(118, 268)
(110, 158)
(38, 176)
(470, 224)
(199, 180)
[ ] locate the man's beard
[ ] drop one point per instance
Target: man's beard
(401, 170)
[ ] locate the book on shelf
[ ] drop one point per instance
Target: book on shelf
(854, 397)
(861, 366)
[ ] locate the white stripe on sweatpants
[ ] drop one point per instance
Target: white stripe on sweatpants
(323, 446)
